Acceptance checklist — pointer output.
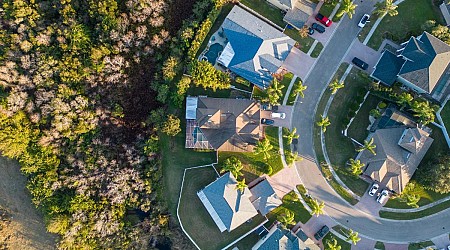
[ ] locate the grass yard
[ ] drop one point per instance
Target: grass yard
(266, 10)
(220, 93)
(426, 197)
(411, 15)
(420, 245)
(287, 78)
(415, 215)
(445, 114)
(365, 31)
(196, 219)
(303, 43)
(326, 9)
(248, 242)
(358, 128)
(254, 165)
(316, 52)
(293, 204)
(344, 244)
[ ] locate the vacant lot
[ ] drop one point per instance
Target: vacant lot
(26, 229)
(196, 219)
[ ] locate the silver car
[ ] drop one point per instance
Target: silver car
(383, 196)
(374, 189)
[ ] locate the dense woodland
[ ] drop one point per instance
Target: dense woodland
(85, 89)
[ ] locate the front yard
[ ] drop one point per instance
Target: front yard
(292, 203)
(415, 215)
(358, 128)
(195, 218)
(412, 14)
(304, 44)
(344, 244)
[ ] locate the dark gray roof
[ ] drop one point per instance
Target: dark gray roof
(264, 197)
(279, 240)
(388, 67)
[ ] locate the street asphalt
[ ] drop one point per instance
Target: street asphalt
(367, 225)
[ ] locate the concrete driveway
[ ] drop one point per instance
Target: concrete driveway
(286, 122)
(363, 52)
(299, 63)
(369, 204)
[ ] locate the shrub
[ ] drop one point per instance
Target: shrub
(382, 105)
(242, 81)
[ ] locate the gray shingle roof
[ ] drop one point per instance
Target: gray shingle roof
(264, 197)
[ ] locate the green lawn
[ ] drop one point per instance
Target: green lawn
(326, 9)
(358, 128)
(220, 93)
(365, 31)
(259, 94)
(195, 218)
(426, 197)
(304, 44)
(293, 204)
(340, 148)
(248, 242)
(316, 52)
(445, 114)
(344, 244)
(420, 245)
(411, 15)
(415, 215)
(266, 10)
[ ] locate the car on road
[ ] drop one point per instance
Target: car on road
(278, 115)
(374, 189)
(384, 195)
(360, 63)
(321, 233)
(318, 27)
(267, 121)
(323, 19)
(364, 20)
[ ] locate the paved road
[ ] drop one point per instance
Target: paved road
(367, 225)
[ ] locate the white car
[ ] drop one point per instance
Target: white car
(374, 189)
(364, 20)
(383, 196)
(278, 115)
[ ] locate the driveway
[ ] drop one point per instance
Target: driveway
(363, 52)
(286, 122)
(298, 62)
(369, 204)
(284, 181)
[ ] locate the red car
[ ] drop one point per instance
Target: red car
(324, 20)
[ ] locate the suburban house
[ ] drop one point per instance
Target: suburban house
(445, 10)
(228, 207)
(298, 15)
(222, 124)
(279, 238)
(399, 150)
(255, 49)
(422, 64)
(264, 197)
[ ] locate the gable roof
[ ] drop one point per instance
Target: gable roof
(279, 238)
(396, 158)
(228, 207)
(387, 68)
(255, 49)
(264, 198)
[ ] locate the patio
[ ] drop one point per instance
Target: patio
(216, 44)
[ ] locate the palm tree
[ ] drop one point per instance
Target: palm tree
(263, 147)
(347, 6)
(291, 157)
(324, 123)
(356, 166)
(274, 91)
(233, 165)
(335, 86)
(368, 145)
(353, 237)
(286, 218)
(290, 135)
(240, 185)
(386, 7)
(303, 32)
(316, 207)
(404, 99)
(298, 89)
(333, 244)
(423, 111)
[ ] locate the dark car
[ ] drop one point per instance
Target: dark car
(267, 121)
(269, 107)
(310, 31)
(360, 63)
(318, 27)
(321, 233)
(323, 19)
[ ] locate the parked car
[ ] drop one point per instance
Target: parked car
(322, 232)
(269, 107)
(310, 31)
(374, 189)
(360, 63)
(323, 19)
(364, 20)
(267, 121)
(318, 27)
(383, 196)
(278, 115)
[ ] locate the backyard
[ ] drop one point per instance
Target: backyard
(291, 203)
(412, 14)
(195, 218)
(266, 10)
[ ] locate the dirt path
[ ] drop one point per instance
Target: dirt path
(26, 229)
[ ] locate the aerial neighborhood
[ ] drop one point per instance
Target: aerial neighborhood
(215, 124)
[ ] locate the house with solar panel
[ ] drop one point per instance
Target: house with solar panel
(255, 50)
(422, 64)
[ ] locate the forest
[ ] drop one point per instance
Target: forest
(86, 89)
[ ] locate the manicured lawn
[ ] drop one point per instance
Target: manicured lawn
(344, 244)
(220, 93)
(412, 14)
(445, 114)
(293, 204)
(316, 52)
(415, 215)
(358, 128)
(254, 165)
(379, 245)
(266, 10)
(175, 158)
(426, 197)
(326, 9)
(287, 78)
(248, 242)
(303, 43)
(196, 219)
(420, 245)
